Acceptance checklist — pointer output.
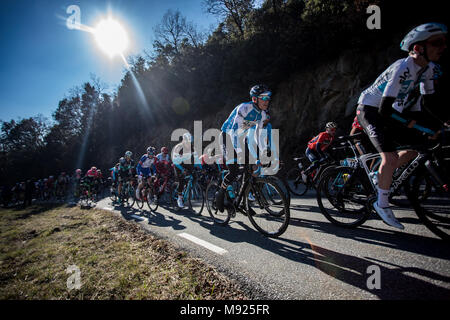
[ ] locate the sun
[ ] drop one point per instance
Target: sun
(111, 37)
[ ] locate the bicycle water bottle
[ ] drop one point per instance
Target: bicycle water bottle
(230, 192)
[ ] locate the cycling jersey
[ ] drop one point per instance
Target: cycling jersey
(402, 80)
(241, 119)
(163, 157)
(180, 158)
(92, 174)
(126, 169)
(323, 139)
(146, 166)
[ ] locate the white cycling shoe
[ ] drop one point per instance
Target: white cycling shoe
(180, 202)
(388, 216)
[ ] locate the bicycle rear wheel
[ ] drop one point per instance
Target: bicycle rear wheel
(267, 217)
(434, 208)
(196, 199)
(221, 218)
(342, 196)
(131, 195)
(143, 195)
(152, 198)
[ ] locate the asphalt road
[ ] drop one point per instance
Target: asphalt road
(313, 259)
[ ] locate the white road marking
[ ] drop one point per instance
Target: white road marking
(203, 243)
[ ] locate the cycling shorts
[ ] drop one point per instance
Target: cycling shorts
(386, 136)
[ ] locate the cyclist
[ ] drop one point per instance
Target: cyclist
(247, 115)
(92, 178)
(62, 183)
(317, 146)
(164, 155)
(385, 108)
(184, 163)
(145, 169)
(126, 169)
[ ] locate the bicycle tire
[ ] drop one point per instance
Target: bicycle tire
(152, 199)
(295, 183)
(342, 194)
(196, 199)
(434, 210)
(271, 222)
(220, 218)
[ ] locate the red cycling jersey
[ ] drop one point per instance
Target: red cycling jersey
(324, 138)
(92, 173)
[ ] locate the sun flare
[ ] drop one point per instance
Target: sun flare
(111, 37)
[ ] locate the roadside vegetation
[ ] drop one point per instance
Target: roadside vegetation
(116, 259)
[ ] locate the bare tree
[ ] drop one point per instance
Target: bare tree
(235, 10)
(171, 30)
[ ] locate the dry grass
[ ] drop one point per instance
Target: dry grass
(117, 259)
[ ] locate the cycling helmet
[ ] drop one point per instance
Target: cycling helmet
(128, 154)
(151, 150)
(122, 160)
(260, 90)
(78, 171)
(165, 150)
(94, 168)
(187, 136)
(422, 33)
(331, 125)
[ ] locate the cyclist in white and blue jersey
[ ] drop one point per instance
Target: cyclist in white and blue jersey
(246, 116)
(388, 109)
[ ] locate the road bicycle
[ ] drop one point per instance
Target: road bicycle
(269, 217)
(192, 194)
(346, 194)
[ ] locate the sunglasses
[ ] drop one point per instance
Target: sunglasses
(264, 98)
(437, 43)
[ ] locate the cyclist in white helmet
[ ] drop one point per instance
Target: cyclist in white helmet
(385, 109)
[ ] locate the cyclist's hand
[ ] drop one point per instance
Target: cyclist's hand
(435, 136)
(412, 123)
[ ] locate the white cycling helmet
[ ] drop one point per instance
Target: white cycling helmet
(422, 33)
(128, 154)
(331, 125)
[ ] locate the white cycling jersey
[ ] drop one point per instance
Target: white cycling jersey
(399, 81)
(244, 117)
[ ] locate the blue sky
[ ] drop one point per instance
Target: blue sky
(41, 59)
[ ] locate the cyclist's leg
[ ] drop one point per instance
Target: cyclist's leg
(382, 138)
(233, 169)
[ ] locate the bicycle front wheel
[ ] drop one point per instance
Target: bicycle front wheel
(343, 196)
(266, 216)
(221, 218)
(196, 199)
(434, 208)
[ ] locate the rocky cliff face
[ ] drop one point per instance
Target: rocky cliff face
(305, 102)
